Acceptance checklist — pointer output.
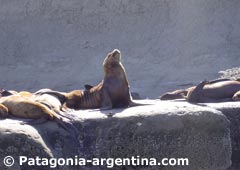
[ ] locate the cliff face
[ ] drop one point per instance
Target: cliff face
(165, 44)
(161, 130)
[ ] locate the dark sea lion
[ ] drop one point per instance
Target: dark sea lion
(182, 93)
(222, 91)
(112, 92)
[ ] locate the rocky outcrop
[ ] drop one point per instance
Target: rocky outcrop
(232, 111)
(161, 130)
(233, 73)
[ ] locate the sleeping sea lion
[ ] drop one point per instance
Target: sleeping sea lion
(214, 92)
(182, 93)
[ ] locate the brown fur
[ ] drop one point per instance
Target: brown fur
(182, 93)
(25, 107)
(111, 92)
(39, 107)
(214, 92)
(177, 94)
(3, 111)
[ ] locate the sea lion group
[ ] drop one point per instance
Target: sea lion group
(112, 92)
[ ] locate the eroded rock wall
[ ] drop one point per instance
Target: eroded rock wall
(165, 44)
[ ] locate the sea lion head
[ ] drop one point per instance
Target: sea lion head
(114, 57)
(112, 65)
(236, 96)
(4, 93)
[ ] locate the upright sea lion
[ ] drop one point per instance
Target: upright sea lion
(112, 92)
(214, 92)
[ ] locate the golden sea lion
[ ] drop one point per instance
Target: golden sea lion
(25, 107)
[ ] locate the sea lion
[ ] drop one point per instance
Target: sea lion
(112, 92)
(52, 102)
(177, 94)
(4, 93)
(222, 91)
(25, 107)
(38, 107)
(182, 93)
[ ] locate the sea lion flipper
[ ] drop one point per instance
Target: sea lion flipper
(3, 111)
(194, 95)
(106, 100)
(236, 96)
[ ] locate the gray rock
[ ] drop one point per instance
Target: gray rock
(232, 111)
(233, 73)
(161, 130)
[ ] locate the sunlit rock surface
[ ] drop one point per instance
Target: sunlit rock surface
(161, 130)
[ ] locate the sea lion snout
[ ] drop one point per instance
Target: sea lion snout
(116, 52)
(112, 57)
(116, 55)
